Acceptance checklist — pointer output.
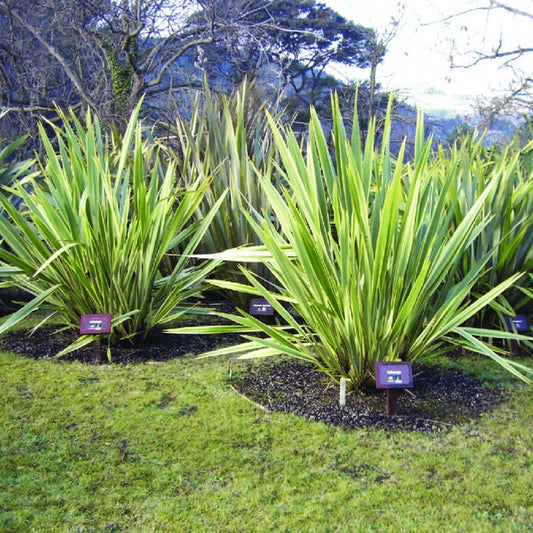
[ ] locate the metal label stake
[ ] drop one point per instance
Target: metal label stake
(393, 376)
(95, 324)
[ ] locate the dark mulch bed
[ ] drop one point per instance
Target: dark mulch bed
(439, 399)
(45, 343)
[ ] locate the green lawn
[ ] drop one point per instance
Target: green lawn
(202, 458)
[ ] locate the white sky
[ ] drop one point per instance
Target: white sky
(418, 61)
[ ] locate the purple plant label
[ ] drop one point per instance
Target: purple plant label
(96, 324)
(518, 323)
(393, 374)
(261, 307)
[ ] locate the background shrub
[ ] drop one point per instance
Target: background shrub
(228, 140)
(508, 235)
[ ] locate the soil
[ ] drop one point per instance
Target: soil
(439, 399)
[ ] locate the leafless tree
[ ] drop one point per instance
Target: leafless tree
(509, 54)
(378, 45)
(108, 54)
(103, 54)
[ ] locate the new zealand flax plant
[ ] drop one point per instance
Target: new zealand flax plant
(228, 138)
(91, 233)
(508, 235)
(10, 168)
(363, 251)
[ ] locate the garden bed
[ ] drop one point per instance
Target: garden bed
(439, 399)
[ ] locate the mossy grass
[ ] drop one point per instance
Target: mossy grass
(196, 456)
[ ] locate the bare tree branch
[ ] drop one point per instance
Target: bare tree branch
(58, 56)
(512, 54)
(507, 55)
(491, 7)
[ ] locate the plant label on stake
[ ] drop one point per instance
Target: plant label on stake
(393, 376)
(519, 324)
(262, 309)
(95, 324)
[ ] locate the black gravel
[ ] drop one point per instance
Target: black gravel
(439, 399)
(45, 343)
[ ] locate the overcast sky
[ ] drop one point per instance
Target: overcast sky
(418, 61)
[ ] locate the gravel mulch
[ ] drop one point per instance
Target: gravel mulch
(439, 399)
